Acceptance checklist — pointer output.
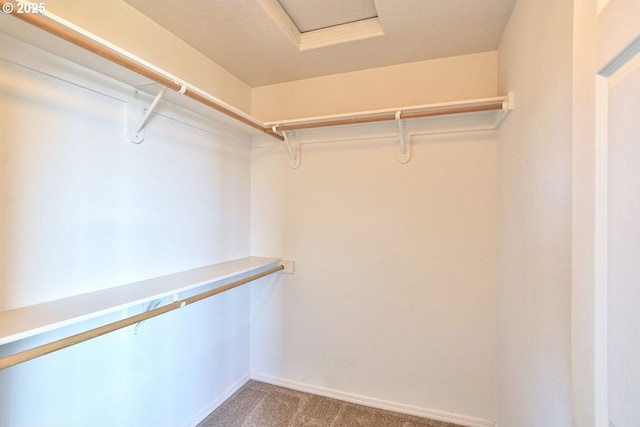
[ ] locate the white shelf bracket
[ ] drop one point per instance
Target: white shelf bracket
(293, 147)
(135, 133)
(507, 106)
(405, 140)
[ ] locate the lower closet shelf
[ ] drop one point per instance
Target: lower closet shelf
(25, 322)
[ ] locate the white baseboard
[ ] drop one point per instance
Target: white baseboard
(219, 400)
(373, 402)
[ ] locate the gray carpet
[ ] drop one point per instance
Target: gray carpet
(258, 404)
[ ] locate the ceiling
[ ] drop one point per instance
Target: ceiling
(265, 42)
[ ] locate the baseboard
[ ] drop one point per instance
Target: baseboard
(217, 401)
(372, 402)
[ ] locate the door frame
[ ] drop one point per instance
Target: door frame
(606, 37)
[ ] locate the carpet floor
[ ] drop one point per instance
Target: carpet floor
(258, 404)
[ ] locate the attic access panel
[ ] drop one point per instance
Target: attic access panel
(317, 15)
(317, 24)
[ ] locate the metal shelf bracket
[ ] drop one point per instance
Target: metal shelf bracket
(507, 105)
(405, 140)
(293, 147)
(135, 132)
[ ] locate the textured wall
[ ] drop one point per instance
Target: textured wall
(393, 299)
(534, 217)
(425, 82)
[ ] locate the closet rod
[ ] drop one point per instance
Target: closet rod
(24, 356)
(40, 21)
(392, 116)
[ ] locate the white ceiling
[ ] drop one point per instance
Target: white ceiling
(243, 37)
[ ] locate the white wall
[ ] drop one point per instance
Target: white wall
(534, 217)
(583, 360)
(393, 298)
(425, 82)
(81, 208)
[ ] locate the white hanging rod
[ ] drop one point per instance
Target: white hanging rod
(64, 29)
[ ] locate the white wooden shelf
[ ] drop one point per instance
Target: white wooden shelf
(25, 322)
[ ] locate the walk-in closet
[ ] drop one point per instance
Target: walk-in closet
(319, 212)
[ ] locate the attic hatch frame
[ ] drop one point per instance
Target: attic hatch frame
(284, 131)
